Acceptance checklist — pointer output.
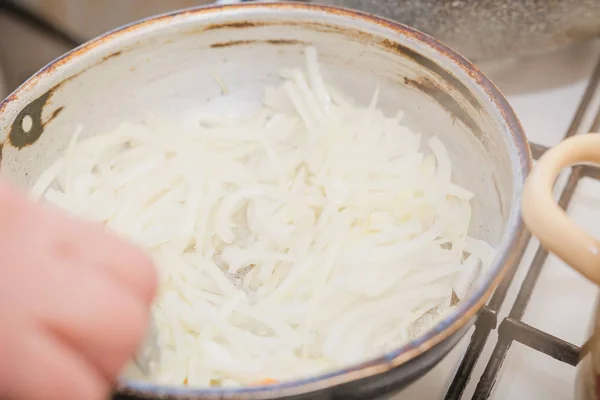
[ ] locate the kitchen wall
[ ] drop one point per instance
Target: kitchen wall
(3, 88)
(88, 18)
(24, 49)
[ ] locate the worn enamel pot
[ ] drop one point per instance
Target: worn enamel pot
(166, 65)
(561, 235)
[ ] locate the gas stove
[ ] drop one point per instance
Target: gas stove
(526, 341)
(525, 344)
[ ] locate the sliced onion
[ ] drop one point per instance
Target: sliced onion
(300, 237)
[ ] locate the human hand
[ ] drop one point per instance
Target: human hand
(74, 303)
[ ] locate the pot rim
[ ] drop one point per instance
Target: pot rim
(511, 245)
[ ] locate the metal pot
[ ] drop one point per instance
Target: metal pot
(492, 29)
(165, 65)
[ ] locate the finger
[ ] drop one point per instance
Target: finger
(100, 249)
(42, 367)
(103, 320)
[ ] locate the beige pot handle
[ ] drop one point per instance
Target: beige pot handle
(546, 220)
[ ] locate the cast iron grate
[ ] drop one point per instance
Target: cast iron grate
(511, 328)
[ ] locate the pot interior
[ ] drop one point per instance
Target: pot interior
(171, 66)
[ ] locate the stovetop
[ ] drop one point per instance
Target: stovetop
(526, 341)
(536, 320)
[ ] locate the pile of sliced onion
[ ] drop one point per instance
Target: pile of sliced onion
(308, 236)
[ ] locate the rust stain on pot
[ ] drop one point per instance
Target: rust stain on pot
(434, 68)
(231, 43)
(20, 138)
(1, 148)
(286, 42)
(115, 54)
(20, 135)
(369, 38)
(499, 197)
(443, 98)
(7, 101)
(234, 25)
(454, 300)
(54, 115)
(276, 42)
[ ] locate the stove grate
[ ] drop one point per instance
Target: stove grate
(512, 328)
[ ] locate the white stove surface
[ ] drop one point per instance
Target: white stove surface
(545, 92)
